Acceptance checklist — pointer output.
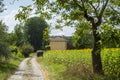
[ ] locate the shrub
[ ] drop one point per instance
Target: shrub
(4, 50)
(15, 51)
(112, 63)
(47, 47)
(26, 49)
(39, 53)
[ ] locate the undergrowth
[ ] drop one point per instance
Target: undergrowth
(8, 66)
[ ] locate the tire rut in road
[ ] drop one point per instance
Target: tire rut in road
(36, 70)
(28, 70)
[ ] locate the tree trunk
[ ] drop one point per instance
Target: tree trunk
(96, 57)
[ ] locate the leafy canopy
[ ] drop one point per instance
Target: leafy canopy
(36, 31)
(108, 10)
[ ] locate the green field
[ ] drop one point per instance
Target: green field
(8, 67)
(76, 64)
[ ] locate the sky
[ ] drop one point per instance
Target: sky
(12, 9)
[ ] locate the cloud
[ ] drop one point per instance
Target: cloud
(66, 31)
(9, 20)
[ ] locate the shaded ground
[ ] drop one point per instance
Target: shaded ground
(28, 70)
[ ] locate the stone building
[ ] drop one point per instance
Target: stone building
(58, 43)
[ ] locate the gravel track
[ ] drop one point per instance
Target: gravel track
(28, 70)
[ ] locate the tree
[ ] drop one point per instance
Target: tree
(97, 12)
(35, 31)
(4, 47)
(82, 37)
(1, 6)
(26, 49)
(19, 35)
(110, 37)
(46, 38)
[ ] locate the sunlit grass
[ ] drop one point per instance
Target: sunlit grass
(77, 64)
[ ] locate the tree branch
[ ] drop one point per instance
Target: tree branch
(103, 8)
(115, 10)
(83, 4)
(12, 2)
(101, 13)
(76, 2)
(98, 5)
(95, 9)
(88, 17)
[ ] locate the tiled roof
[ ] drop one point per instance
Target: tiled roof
(57, 39)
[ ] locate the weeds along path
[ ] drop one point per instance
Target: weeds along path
(28, 70)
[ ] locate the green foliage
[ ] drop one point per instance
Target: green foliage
(15, 51)
(26, 49)
(75, 9)
(96, 12)
(112, 62)
(34, 31)
(69, 40)
(37, 32)
(110, 36)
(46, 34)
(24, 13)
(11, 39)
(3, 31)
(46, 38)
(4, 46)
(17, 37)
(83, 37)
(4, 51)
(8, 68)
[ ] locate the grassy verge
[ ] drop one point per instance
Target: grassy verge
(76, 65)
(52, 70)
(8, 68)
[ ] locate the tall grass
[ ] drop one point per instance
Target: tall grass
(7, 67)
(76, 64)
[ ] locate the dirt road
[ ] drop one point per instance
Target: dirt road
(28, 70)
